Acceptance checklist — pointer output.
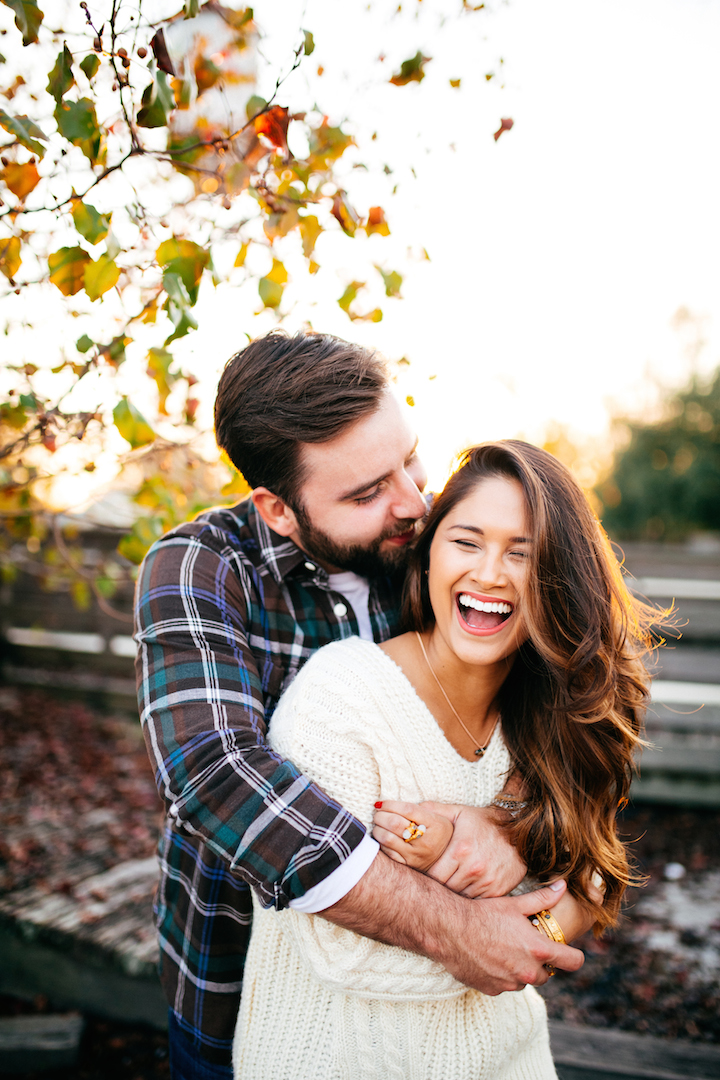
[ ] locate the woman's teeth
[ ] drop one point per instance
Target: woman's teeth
(480, 605)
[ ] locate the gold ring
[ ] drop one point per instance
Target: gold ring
(550, 970)
(413, 832)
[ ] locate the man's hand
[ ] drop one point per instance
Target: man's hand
(479, 860)
(489, 945)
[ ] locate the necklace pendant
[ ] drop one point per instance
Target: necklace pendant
(480, 751)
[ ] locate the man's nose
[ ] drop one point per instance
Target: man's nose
(409, 501)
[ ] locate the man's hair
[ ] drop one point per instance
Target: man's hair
(282, 391)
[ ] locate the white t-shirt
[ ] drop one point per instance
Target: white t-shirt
(356, 589)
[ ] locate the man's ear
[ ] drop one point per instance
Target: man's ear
(276, 514)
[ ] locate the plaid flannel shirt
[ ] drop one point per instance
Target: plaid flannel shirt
(227, 612)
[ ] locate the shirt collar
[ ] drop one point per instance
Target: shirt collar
(280, 555)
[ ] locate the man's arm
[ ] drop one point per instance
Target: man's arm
(201, 698)
(489, 945)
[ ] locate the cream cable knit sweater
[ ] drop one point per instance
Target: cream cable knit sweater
(323, 1003)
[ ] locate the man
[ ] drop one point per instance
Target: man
(228, 608)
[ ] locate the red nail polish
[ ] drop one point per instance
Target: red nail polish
(378, 805)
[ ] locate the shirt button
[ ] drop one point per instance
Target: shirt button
(340, 610)
(310, 566)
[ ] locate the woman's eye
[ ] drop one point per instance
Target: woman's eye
(468, 544)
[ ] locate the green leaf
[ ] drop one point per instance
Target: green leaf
(10, 256)
(392, 281)
(28, 18)
(177, 306)
(89, 66)
(84, 343)
(192, 7)
(13, 415)
(100, 276)
(159, 361)
(131, 424)
(140, 539)
(25, 131)
(411, 70)
(188, 260)
(92, 225)
(61, 76)
(309, 42)
(77, 122)
(349, 295)
(67, 269)
(157, 103)
(255, 105)
(271, 287)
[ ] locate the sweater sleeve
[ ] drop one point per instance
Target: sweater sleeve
(330, 724)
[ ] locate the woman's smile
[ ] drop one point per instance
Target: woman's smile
(482, 615)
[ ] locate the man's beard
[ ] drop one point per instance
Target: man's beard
(367, 561)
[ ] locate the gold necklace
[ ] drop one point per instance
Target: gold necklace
(481, 749)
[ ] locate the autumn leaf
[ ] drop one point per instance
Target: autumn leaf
(92, 225)
(238, 485)
(349, 295)
(10, 256)
(241, 255)
(100, 276)
(158, 368)
(327, 144)
(392, 281)
(21, 179)
(310, 229)
(191, 8)
(28, 18)
(61, 77)
(411, 70)
(344, 214)
(177, 306)
(280, 224)
(273, 125)
(376, 222)
(25, 131)
(206, 73)
(271, 287)
(455, 83)
(89, 66)
(187, 259)
(309, 43)
(77, 122)
(131, 424)
(84, 343)
(255, 105)
(67, 269)
(157, 103)
(505, 125)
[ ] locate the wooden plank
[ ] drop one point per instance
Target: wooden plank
(584, 1053)
(35, 1043)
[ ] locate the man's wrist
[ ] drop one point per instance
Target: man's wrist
(341, 881)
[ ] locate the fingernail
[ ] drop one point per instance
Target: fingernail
(378, 805)
(556, 886)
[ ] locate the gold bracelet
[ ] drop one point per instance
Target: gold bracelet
(547, 924)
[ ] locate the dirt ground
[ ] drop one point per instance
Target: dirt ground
(65, 768)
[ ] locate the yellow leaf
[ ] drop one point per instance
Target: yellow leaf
(21, 179)
(310, 229)
(238, 485)
(67, 269)
(10, 256)
(131, 424)
(242, 253)
(100, 276)
(278, 274)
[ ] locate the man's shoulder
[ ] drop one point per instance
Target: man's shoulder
(231, 526)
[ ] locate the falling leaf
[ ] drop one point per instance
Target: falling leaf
(309, 45)
(376, 222)
(67, 269)
(10, 256)
(392, 281)
(61, 77)
(100, 276)
(28, 18)
(21, 179)
(411, 70)
(505, 125)
(90, 223)
(455, 83)
(25, 131)
(131, 424)
(273, 125)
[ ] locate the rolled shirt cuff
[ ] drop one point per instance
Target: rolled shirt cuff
(341, 881)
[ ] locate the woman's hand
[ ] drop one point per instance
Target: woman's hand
(392, 818)
(574, 917)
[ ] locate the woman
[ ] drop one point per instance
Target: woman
(522, 664)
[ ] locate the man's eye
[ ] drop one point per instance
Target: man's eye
(365, 499)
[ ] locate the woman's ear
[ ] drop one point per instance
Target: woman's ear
(276, 514)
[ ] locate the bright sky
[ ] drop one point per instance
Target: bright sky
(559, 254)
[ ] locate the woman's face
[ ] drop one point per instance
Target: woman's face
(479, 561)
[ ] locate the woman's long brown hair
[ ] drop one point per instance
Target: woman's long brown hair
(573, 704)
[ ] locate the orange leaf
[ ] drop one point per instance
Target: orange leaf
(505, 125)
(273, 124)
(21, 179)
(376, 222)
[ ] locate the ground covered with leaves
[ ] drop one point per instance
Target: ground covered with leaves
(77, 788)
